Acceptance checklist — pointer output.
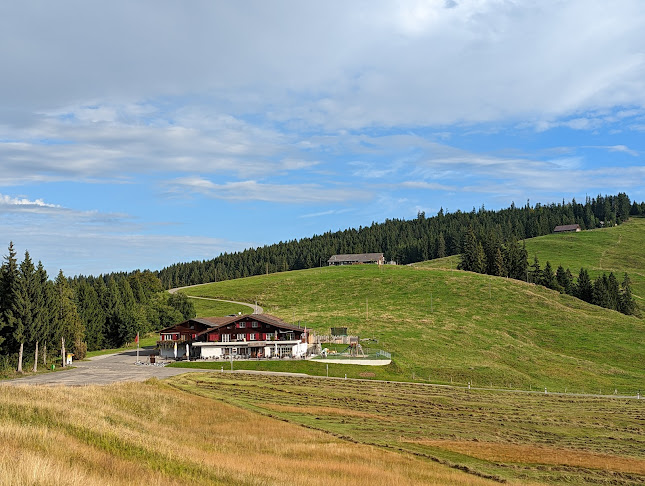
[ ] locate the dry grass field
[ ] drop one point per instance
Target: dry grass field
(515, 437)
(149, 433)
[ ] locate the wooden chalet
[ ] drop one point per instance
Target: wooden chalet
(242, 336)
(357, 258)
(567, 228)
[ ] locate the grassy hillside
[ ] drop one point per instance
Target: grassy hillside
(482, 329)
(150, 433)
(618, 249)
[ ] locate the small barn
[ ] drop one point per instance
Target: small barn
(357, 258)
(567, 228)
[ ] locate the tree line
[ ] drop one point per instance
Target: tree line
(492, 257)
(407, 241)
(39, 316)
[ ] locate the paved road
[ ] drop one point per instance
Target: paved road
(256, 308)
(101, 370)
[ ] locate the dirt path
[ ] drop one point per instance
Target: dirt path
(256, 308)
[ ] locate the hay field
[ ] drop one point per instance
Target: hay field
(149, 433)
(516, 437)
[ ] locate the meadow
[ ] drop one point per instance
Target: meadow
(618, 249)
(520, 438)
(150, 433)
(451, 326)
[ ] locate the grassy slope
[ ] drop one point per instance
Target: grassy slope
(212, 308)
(149, 433)
(483, 329)
(515, 436)
(618, 249)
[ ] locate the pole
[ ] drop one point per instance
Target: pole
(231, 356)
(137, 347)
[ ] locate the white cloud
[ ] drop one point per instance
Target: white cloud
(250, 190)
(335, 64)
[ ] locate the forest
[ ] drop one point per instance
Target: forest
(38, 315)
(407, 241)
(91, 313)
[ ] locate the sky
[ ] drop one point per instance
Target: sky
(142, 134)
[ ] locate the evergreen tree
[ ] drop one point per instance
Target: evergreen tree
(548, 278)
(535, 273)
(600, 293)
(24, 307)
(441, 246)
(499, 268)
(564, 279)
(8, 295)
(91, 314)
(67, 323)
(584, 287)
(613, 292)
(627, 303)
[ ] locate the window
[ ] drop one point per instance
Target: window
(226, 338)
(252, 336)
(240, 337)
(254, 324)
(241, 325)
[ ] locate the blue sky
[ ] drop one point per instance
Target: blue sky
(140, 134)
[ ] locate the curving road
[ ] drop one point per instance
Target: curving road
(256, 308)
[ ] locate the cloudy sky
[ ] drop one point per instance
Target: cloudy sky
(136, 134)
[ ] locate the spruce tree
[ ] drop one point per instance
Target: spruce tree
(627, 302)
(24, 311)
(535, 274)
(600, 293)
(8, 294)
(548, 278)
(67, 323)
(584, 287)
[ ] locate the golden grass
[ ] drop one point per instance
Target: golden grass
(323, 411)
(151, 433)
(530, 454)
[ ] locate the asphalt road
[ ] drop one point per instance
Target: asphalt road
(101, 370)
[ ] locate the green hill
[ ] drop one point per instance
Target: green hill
(618, 249)
(483, 329)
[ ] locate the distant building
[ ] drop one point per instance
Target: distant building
(567, 228)
(356, 258)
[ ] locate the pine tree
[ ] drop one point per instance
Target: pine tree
(499, 268)
(535, 273)
(24, 306)
(564, 279)
(584, 287)
(67, 323)
(600, 293)
(471, 260)
(8, 292)
(627, 302)
(613, 292)
(441, 246)
(548, 278)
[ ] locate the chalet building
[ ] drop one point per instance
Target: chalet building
(567, 228)
(357, 258)
(248, 336)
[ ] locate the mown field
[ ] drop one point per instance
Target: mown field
(451, 326)
(522, 438)
(149, 433)
(618, 249)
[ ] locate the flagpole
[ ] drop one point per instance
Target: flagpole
(137, 348)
